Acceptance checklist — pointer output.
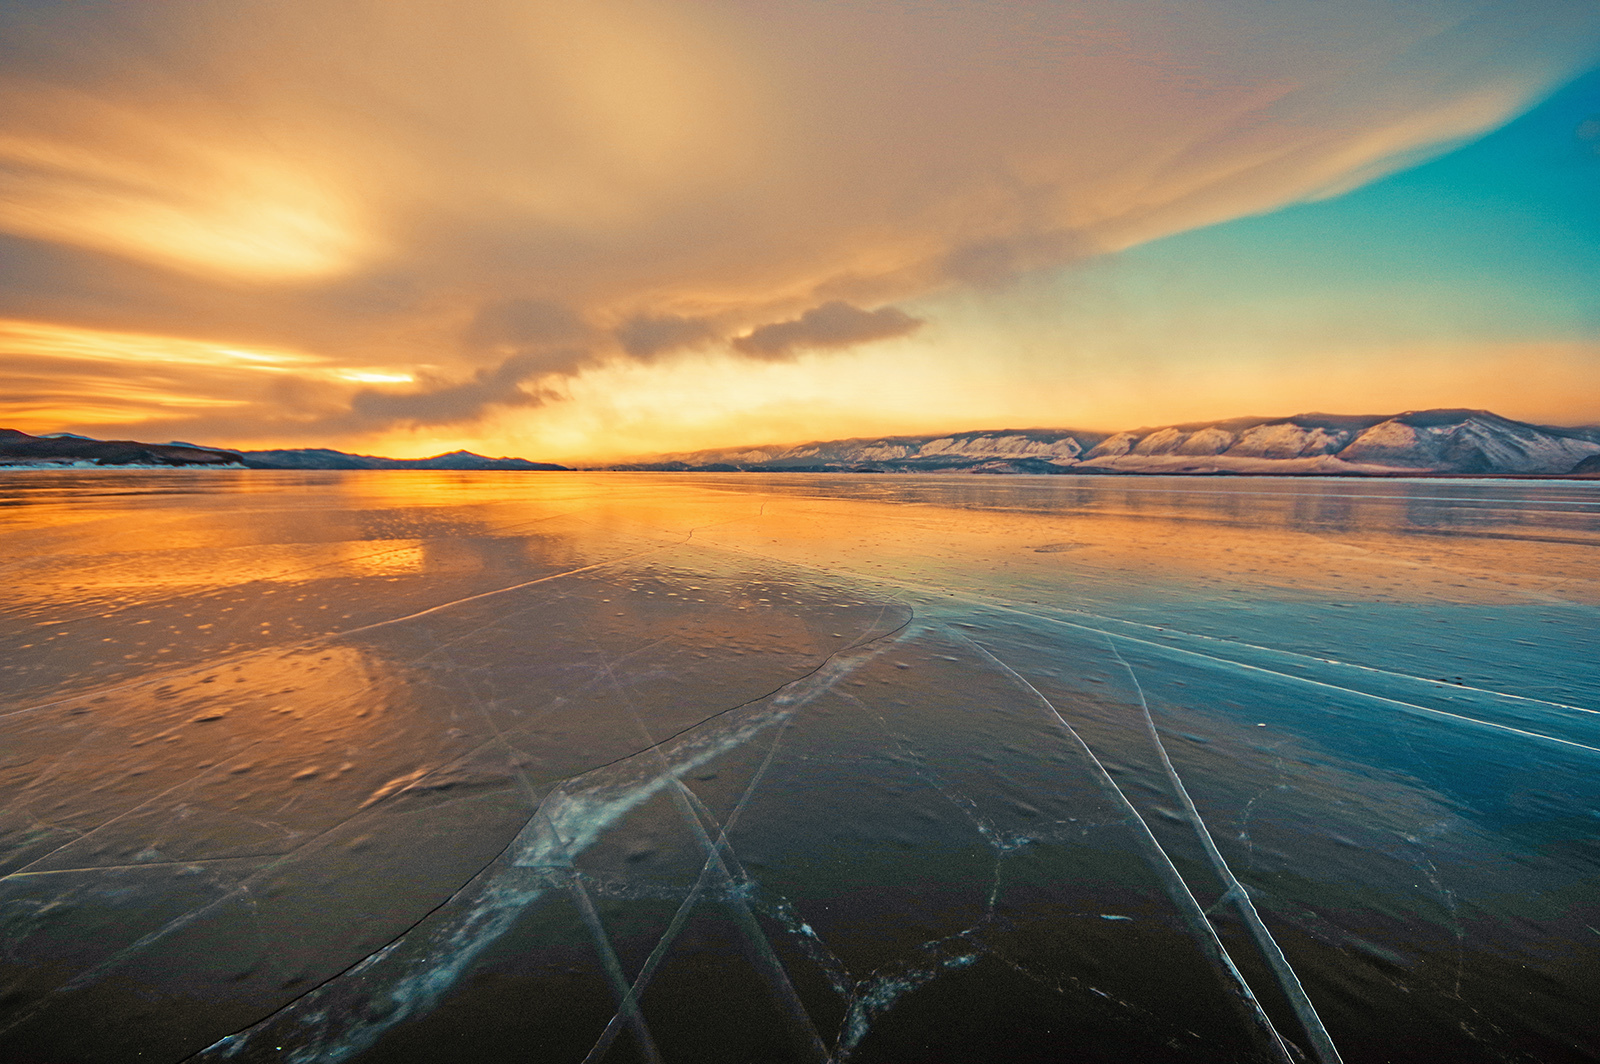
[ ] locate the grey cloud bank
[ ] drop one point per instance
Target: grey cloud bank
(833, 324)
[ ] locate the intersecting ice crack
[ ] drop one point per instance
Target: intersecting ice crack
(826, 673)
(721, 867)
(62, 761)
(719, 855)
(1321, 1044)
(878, 993)
(1309, 681)
(569, 820)
(868, 998)
(627, 1003)
(766, 960)
(610, 965)
(1051, 615)
(1268, 1042)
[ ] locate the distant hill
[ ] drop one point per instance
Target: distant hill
(323, 458)
(63, 450)
(18, 449)
(1418, 442)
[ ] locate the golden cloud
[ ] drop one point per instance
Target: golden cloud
(369, 183)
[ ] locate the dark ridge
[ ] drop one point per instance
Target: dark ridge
(20, 448)
(324, 458)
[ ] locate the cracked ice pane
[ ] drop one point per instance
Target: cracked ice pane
(376, 767)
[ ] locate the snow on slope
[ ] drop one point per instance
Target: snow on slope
(1479, 443)
(921, 452)
(1288, 440)
(1427, 441)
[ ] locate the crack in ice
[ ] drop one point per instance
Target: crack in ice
(1321, 1044)
(1204, 935)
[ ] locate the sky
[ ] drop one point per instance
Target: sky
(579, 232)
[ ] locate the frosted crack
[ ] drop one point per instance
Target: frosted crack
(1321, 1044)
(790, 698)
(681, 917)
(1006, 606)
(627, 1002)
(1255, 1019)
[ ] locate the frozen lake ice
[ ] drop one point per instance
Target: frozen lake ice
(407, 766)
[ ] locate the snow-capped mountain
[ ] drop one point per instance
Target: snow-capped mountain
(1415, 442)
(1418, 442)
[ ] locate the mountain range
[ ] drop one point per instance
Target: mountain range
(1418, 442)
(64, 450)
(323, 458)
(1415, 443)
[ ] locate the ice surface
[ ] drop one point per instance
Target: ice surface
(412, 766)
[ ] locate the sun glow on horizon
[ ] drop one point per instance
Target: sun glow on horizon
(140, 377)
(25, 338)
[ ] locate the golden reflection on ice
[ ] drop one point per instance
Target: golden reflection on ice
(1028, 540)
